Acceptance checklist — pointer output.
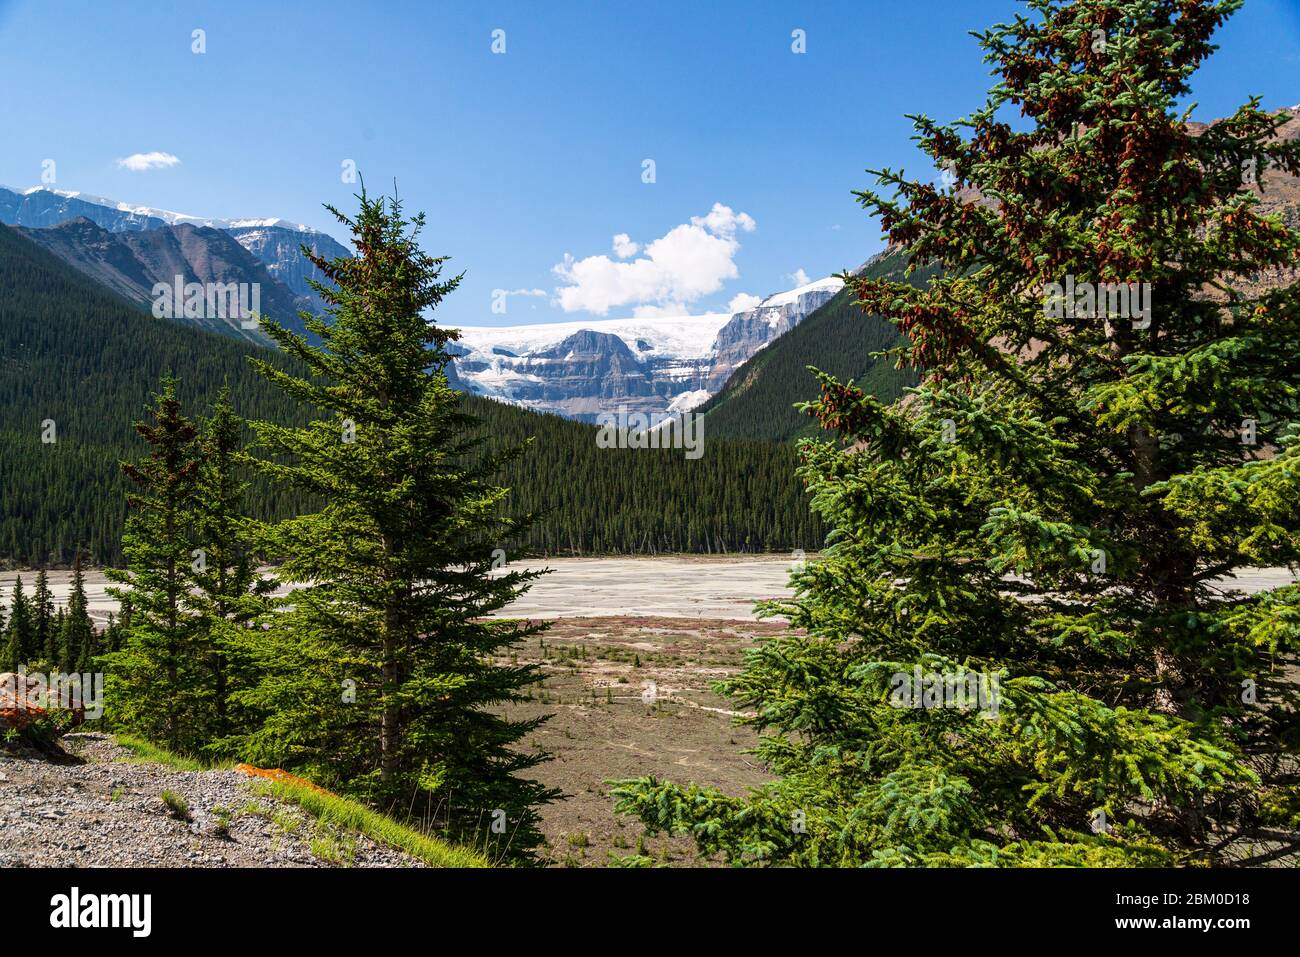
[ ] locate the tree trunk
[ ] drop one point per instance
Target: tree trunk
(388, 720)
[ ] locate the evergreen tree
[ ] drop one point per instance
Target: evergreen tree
(46, 638)
(380, 678)
(227, 592)
(21, 632)
(155, 682)
(1054, 506)
(78, 635)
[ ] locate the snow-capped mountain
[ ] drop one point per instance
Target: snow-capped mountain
(575, 369)
(747, 332)
(581, 369)
(274, 241)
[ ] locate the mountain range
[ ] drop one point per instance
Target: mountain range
(744, 371)
(131, 248)
(575, 369)
(78, 364)
(653, 366)
(275, 242)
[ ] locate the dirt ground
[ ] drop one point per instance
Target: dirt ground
(630, 697)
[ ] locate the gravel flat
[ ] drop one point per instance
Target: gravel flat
(107, 812)
(685, 586)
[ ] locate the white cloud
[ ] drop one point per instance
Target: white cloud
(542, 293)
(799, 278)
(722, 221)
(138, 162)
(624, 247)
(686, 263)
(743, 302)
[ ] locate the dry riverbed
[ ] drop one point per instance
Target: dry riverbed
(630, 697)
(678, 586)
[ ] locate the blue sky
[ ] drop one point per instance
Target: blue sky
(521, 158)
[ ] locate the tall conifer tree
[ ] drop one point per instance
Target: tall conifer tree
(154, 683)
(384, 676)
(78, 638)
(46, 638)
(18, 638)
(1056, 505)
(227, 591)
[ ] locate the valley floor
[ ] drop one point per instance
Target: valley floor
(678, 586)
(629, 697)
(681, 586)
(629, 660)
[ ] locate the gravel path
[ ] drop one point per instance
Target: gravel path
(107, 812)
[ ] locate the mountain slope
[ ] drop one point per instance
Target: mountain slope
(276, 242)
(132, 263)
(758, 401)
(77, 355)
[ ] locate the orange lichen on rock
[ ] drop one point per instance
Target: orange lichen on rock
(279, 774)
(19, 719)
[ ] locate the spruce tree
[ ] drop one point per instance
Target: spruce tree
(46, 638)
(20, 636)
(154, 683)
(1055, 507)
(384, 676)
(115, 635)
(78, 637)
(227, 591)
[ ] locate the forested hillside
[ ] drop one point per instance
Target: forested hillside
(75, 354)
(758, 401)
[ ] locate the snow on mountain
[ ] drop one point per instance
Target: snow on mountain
(660, 365)
(687, 337)
(166, 215)
(276, 242)
(831, 284)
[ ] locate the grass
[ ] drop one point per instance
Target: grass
(329, 809)
(333, 845)
(146, 752)
(340, 812)
(177, 805)
(223, 817)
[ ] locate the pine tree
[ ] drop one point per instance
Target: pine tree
(46, 638)
(155, 683)
(228, 592)
(1053, 508)
(21, 632)
(380, 678)
(78, 636)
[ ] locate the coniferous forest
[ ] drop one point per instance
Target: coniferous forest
(79, 357)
